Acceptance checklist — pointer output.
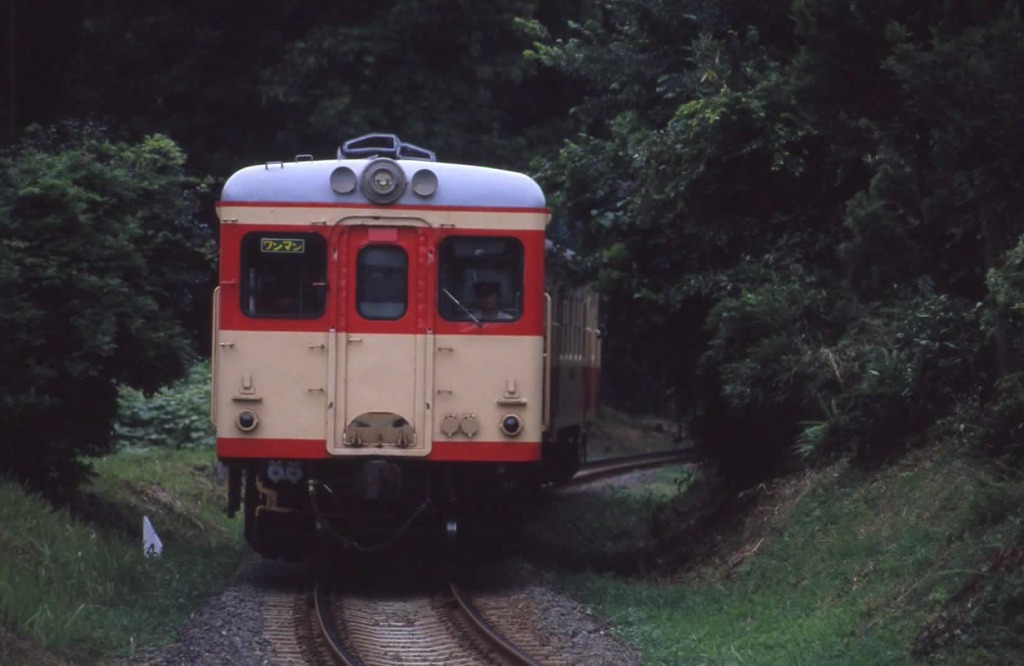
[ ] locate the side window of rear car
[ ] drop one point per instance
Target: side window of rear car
(283, 275)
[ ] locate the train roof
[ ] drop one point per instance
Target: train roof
(310, 182)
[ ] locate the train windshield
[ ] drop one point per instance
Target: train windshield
(283, 275)
(480, 277)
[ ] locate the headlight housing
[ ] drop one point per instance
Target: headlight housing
(511, 425)
(383, 181)
(247, 420)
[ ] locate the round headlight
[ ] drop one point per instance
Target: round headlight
(511, 425)
(343, 180)
(247, 420)
(383, 181)
(424, 183)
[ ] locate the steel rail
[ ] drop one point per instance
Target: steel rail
(326, 621)
(599, 469)
(654, 457)
(485, 627)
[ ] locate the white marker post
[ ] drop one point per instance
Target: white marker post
(151, 544)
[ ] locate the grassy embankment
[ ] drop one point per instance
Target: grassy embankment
(81, 587)
(75, 585)
(919, 561)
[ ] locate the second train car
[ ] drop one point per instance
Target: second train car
(387, 345)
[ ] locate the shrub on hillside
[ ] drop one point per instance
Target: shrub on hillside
(780, 391)
(909, 364)
(764, 370)
(1000, 426)
(178, 415)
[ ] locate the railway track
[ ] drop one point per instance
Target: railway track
(429, 629)
(445, 625)
(605, 467)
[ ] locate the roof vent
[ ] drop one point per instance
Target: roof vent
(383, 145)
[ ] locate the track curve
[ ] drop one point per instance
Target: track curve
(418, 629)
(604, 467)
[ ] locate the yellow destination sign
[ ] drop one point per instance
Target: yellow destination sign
(283, 245)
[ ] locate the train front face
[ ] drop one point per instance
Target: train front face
(377, 354)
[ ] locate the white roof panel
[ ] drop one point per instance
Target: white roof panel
(459, 185)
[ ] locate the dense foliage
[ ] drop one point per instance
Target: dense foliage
(176, 416)
(802, 213)
(104, 264)
(279, 79)
(814, 220)
(100, 257)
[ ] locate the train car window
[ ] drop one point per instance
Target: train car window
(283, 275)
(481, 277)
(382, 277)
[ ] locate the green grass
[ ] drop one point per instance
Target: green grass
(833, 568)
(79, 585)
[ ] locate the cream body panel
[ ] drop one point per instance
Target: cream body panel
(381, 373)
(473, 374)
(282, 376)
(305, 216)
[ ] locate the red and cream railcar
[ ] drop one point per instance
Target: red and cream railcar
(383, 343)
(574, 377)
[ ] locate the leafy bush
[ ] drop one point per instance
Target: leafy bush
(175, 416)
(994, 426)
(101, 254)
(909, 365)
(792, 374)
(1004, 312)
(765, 368)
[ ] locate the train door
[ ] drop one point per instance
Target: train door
(380, 382)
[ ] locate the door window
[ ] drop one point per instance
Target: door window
(382, 277)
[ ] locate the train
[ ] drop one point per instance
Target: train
(387, 345)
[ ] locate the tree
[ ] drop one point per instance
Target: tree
(445, 74)
(100, 257)
(797, 223)
(189, 70)
(285, 78)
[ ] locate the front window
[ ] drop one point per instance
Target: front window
(382, 276)
(283, 275)
(480, 277)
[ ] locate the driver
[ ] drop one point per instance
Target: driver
(488, 296)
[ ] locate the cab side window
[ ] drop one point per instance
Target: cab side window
(480, 277)
(283, 275)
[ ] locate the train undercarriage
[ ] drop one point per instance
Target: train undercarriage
(290, 507)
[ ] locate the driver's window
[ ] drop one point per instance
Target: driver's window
(480, 277)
